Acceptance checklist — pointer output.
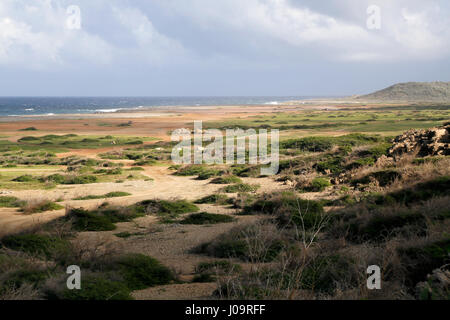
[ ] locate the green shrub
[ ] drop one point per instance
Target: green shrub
(98, 289)
(116, 194)
(83, 220)
(165, 207)
(218, 199)
(18, 278)
(206, 218)
(324, 273)
(235, 244)
(384, 177)
(246, 171)
(227, 180)
(26, 139)
(218, 266)
(136, 169)
(192, 170)
(82, 180)
(209, 174)
(61, 179)
(24, 178)
(140, 272)
(55, 178)
(226, 249)
(35, 244)
(332, 163)
(422, 260)
(240, 187)
(287, 207)
(41, 206)
(204, 278)
(319, 185)
(10, 202)
(380, 227)
(29, 129)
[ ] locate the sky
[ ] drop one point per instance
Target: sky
(220, 47)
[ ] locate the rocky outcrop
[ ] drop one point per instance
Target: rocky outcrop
(432, 142)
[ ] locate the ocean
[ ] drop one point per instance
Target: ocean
(19, 106)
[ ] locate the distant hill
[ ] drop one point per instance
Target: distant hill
(412, 91)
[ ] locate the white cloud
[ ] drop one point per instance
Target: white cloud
(33, 33)
(36, 36)
(410, 29)
(152, 46)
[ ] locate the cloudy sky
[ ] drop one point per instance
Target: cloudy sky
(219, 47)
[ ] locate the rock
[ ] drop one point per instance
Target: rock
(437, 286)
(384, 161)
(432, 142)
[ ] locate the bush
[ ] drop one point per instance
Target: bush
(287, 207)
(18, 278)
(384, 177)
(116, 194)
(205, 175)
(312, 144)
(82, 180)
(319, 185)
(26, 139)
(140, 272)
(10, 202)
(83, 220)
(241, 187)
(379, 227)
(24, 178)
(29, 129)
(422, 260)
(248, 243)
(56, 178)
(40, 206)
(219, 266)
(61, 179)
(218, 199)
(227, 180)
(206, 218)
(204, 278)
(332, 163)
(165, 207)
(324, 273)
(98, 288)
(192, 170)
(35, 244)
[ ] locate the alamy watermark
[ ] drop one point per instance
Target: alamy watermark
(374, 279)
(73, 21)
(74, 280)
(236, 146)
(374, 17)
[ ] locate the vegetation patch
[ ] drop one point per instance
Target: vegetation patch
(36, 244)
(140, 272)
(206, 218)
(217, 267)
(217, 199)
(10, 202)
(98, 288)
(40, 206)
(422, 260)
(227, 180)
(241, 187)
(287, 209)
(115, 194)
